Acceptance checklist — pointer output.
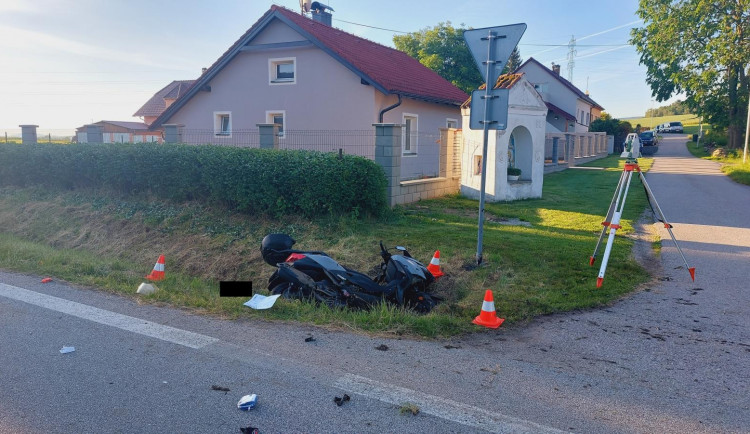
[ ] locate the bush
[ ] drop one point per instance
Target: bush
(514, 171)
(247, 180)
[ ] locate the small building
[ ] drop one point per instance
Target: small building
(520, 145)
(162, 99)
(117, 132)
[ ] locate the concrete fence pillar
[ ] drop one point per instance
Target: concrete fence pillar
(94, 134)
(269, 135)
(388, 156)
(28, 134)
(172, 133)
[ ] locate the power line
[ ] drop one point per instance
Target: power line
(372, 27)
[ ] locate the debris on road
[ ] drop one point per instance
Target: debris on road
(219, 388)
(409, 407)
(261, 301)
(342, 400)
(382, 347)
(309, 339)
(66, 350)
(250, 430)
(46, 280)
(452, 347)
(247, 402)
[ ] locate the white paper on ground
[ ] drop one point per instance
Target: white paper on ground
(261, 301)
(66, 350)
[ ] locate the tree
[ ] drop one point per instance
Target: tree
(613, 127)
(442, 49)
(701, 48)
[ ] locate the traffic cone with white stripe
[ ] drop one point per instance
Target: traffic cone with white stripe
(434, 266)
(158, 272)
(488, 317)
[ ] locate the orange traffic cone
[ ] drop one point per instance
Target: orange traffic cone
(434, 266)
(487, 317)
(158, 272)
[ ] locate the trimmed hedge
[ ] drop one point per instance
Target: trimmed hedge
(264, 181)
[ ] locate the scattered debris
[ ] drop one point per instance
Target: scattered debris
(342, 400)
(146, 289)
(261, 301)
(309, 339)
(250, 430)
(66, 350)
(450, 347)
(382, 347)
(46, 280)
(219, 388)
(409, 408)
(247, 402)
(665, 279)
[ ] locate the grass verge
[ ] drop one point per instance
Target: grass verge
(731, 162)
(94, 239)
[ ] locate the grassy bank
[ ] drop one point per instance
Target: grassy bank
(731, 163)
(651, 122)
(537, 268)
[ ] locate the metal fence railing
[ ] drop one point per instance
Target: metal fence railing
(242, 138)
(351, 142)
(422, 159)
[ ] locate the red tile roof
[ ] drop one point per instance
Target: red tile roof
(395, 71)
(505, 81)
(387, 69)
(156, 105)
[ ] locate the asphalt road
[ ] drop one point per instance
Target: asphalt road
(674, 357)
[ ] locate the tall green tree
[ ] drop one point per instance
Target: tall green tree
(442, 49)
(701, 48)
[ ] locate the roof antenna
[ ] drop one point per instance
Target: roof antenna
(587, 85)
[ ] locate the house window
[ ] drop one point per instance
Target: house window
(409, 137)
(223, 124)
(282, 71)
(587, 118)
(277, 117)
(451, 123)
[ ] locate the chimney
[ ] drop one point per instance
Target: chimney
(555, 68)
(203, 70)
(320, 13)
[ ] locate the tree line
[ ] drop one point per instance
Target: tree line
(676, 108)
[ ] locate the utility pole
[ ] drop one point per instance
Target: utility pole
(747, 131)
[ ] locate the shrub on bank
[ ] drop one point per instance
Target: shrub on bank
(265, 181)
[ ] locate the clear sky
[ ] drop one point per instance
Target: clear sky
(66, 63)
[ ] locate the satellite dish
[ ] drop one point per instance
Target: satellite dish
(304, 5)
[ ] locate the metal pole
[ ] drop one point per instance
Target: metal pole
(487, 116)
(747, 131)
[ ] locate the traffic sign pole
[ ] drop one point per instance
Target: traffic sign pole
(487, 116)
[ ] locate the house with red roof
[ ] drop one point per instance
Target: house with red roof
(162, 99)
(304, 74)
(570, 109)
(117, 132)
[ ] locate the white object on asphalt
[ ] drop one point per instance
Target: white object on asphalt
(261, 301)
(146, 289)
(247, 402)
(66, 350)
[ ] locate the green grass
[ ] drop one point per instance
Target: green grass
(651, 122)
(731, 164)
(532, 271)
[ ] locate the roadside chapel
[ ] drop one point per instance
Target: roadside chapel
(519, 146)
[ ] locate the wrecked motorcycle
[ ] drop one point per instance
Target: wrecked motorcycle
(313, 275)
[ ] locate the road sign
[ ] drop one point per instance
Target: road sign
(498, 107)
(506, 39)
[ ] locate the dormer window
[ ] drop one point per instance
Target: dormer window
(282, 71)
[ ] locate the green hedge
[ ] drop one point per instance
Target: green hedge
(247, 180)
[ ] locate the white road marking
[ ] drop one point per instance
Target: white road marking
(443, 408)
(101, 316)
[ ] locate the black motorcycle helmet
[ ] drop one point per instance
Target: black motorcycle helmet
(276, 248)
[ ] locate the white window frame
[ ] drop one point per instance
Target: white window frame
(273, 80)
(449, 120)
(217, 124)
(413, 135)
(269, 119)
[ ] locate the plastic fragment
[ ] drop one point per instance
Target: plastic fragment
(66, 350)
(247, 402)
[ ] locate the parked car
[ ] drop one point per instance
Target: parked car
(675, 127)
(648, 138)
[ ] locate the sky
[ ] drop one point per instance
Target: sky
(67, 63)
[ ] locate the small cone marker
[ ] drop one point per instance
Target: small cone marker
(488, 317)
(158, 272)
(434, 266)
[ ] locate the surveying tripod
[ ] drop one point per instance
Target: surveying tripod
(612, 221)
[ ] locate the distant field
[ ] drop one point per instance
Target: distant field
(649, 123)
